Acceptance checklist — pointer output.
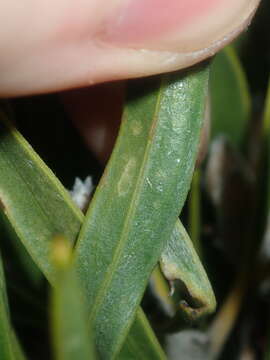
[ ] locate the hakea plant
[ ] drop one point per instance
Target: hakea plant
(99, 264)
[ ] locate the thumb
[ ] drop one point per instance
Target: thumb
(63, 44)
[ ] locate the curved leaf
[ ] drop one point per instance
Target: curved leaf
(230, 98)
(28, 187)
(148, 176)
(35, 199)
(32, 198)
(179, 261)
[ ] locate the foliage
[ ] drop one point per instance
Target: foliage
(124, 281)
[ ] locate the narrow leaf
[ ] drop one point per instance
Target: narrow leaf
(138, 200)
(230, 98)
(71, 336)
(194, 225)
(179, 261)
(32, 198)
(143, 343)
(39, 171)
(9, 346)
(38, 209)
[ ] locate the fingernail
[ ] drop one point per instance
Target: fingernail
(141, 21)
(177, 25)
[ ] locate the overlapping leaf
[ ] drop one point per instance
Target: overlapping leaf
(137, 202)
(33, 200)
(42, 202)
(27, 186)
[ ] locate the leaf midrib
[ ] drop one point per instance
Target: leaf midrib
(121, 244)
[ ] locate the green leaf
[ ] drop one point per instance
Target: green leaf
(9, 346)
(194, 225)
(33, 200)
(37, 207)
(44, 183)
(138, 200)
(22, 257)
(18, 353)
(230, 98)
(143, 343)
(160, 289)
(71, 336)
(179, 261)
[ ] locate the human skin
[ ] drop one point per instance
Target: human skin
(63, 44)
(55, 45)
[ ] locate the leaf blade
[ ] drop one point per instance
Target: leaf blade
(179, 261)
(71, 338)
(9, 345)
(20, 165)
(18, 144)
(114, 255)
(231, 102)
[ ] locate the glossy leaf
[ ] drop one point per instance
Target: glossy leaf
(149, 174)
(33, 200)
(19, 195)
(39, 170)
(230, 98)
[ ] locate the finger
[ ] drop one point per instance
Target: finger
(55, 45)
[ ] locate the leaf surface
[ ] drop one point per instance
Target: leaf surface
(230, 98)
(179, 261)
(138, 200)
(135, 346)
(71, 335)
(40, 208)
(33, 200)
